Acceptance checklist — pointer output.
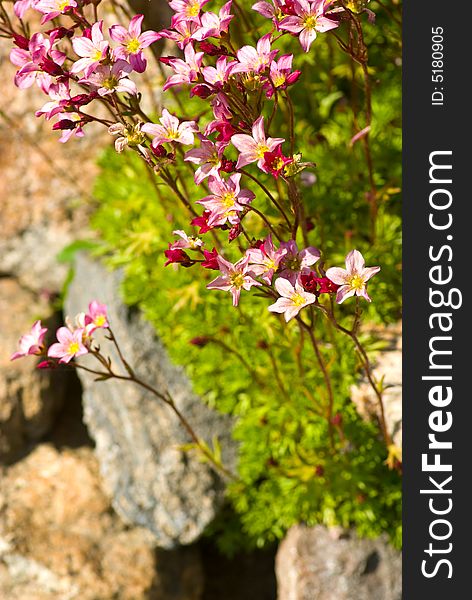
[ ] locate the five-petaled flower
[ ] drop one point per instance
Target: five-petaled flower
(170, 130)
(253, 148)
(309, 18)
(292, 299)
(353, 279)
(69, 345)
(234, 278)
(132, 42)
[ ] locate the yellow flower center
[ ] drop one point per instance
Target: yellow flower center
(227, 199)
(133, 46)
(356, 282)
(310, 22)
(270, 264)
(261, 150)
(62, 5)
(100, 320)
(298, 299)
(110, 83)
(279, 80)
(73, 348)
(237, 280)
(97, 55)
(193, 9)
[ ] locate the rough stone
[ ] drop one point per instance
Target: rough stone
(59, 539)
(46, 186)
(388, 364)
(152, 481)
(29, 398)
(321, 564)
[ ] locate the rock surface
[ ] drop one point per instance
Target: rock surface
(152, 482)
(320, 564)
(59, 540)
(29, 398)
(388, 364)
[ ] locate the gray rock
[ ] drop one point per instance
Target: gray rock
(321, 564)
(152, 482)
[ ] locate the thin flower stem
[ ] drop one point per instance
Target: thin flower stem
(269, 195)
(326, 376)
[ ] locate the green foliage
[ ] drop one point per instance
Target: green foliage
(287, 472)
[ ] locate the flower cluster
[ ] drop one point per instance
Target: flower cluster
(229, 147)
(73, 341)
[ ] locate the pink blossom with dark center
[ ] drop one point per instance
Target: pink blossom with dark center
(234, 278)
(109, 79)
(265, 260)
(32, 62)
(295, 262)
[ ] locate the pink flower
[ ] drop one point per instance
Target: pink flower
(275, 162)
(354, 278)
(234, 278)
(292, 300)
(281, 75)
(186, 241)
(186, 71)
(264, 261)
(182, 32)
(35, 62)
(111, 78)
(53, 8)
(92, 50)
(295, 263)
(253, 148)
(208, 157)
(177, 256)
(202, 222)
(69, 345)
(213, 25)
(219, 74)
(32, 342)
(170, 130)
(308, 19)
(256, 59)
(70, 124)
(226, 200)
(187, 10)
(132, 42)
(60, 97)
(97, 317)
(22, 6)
